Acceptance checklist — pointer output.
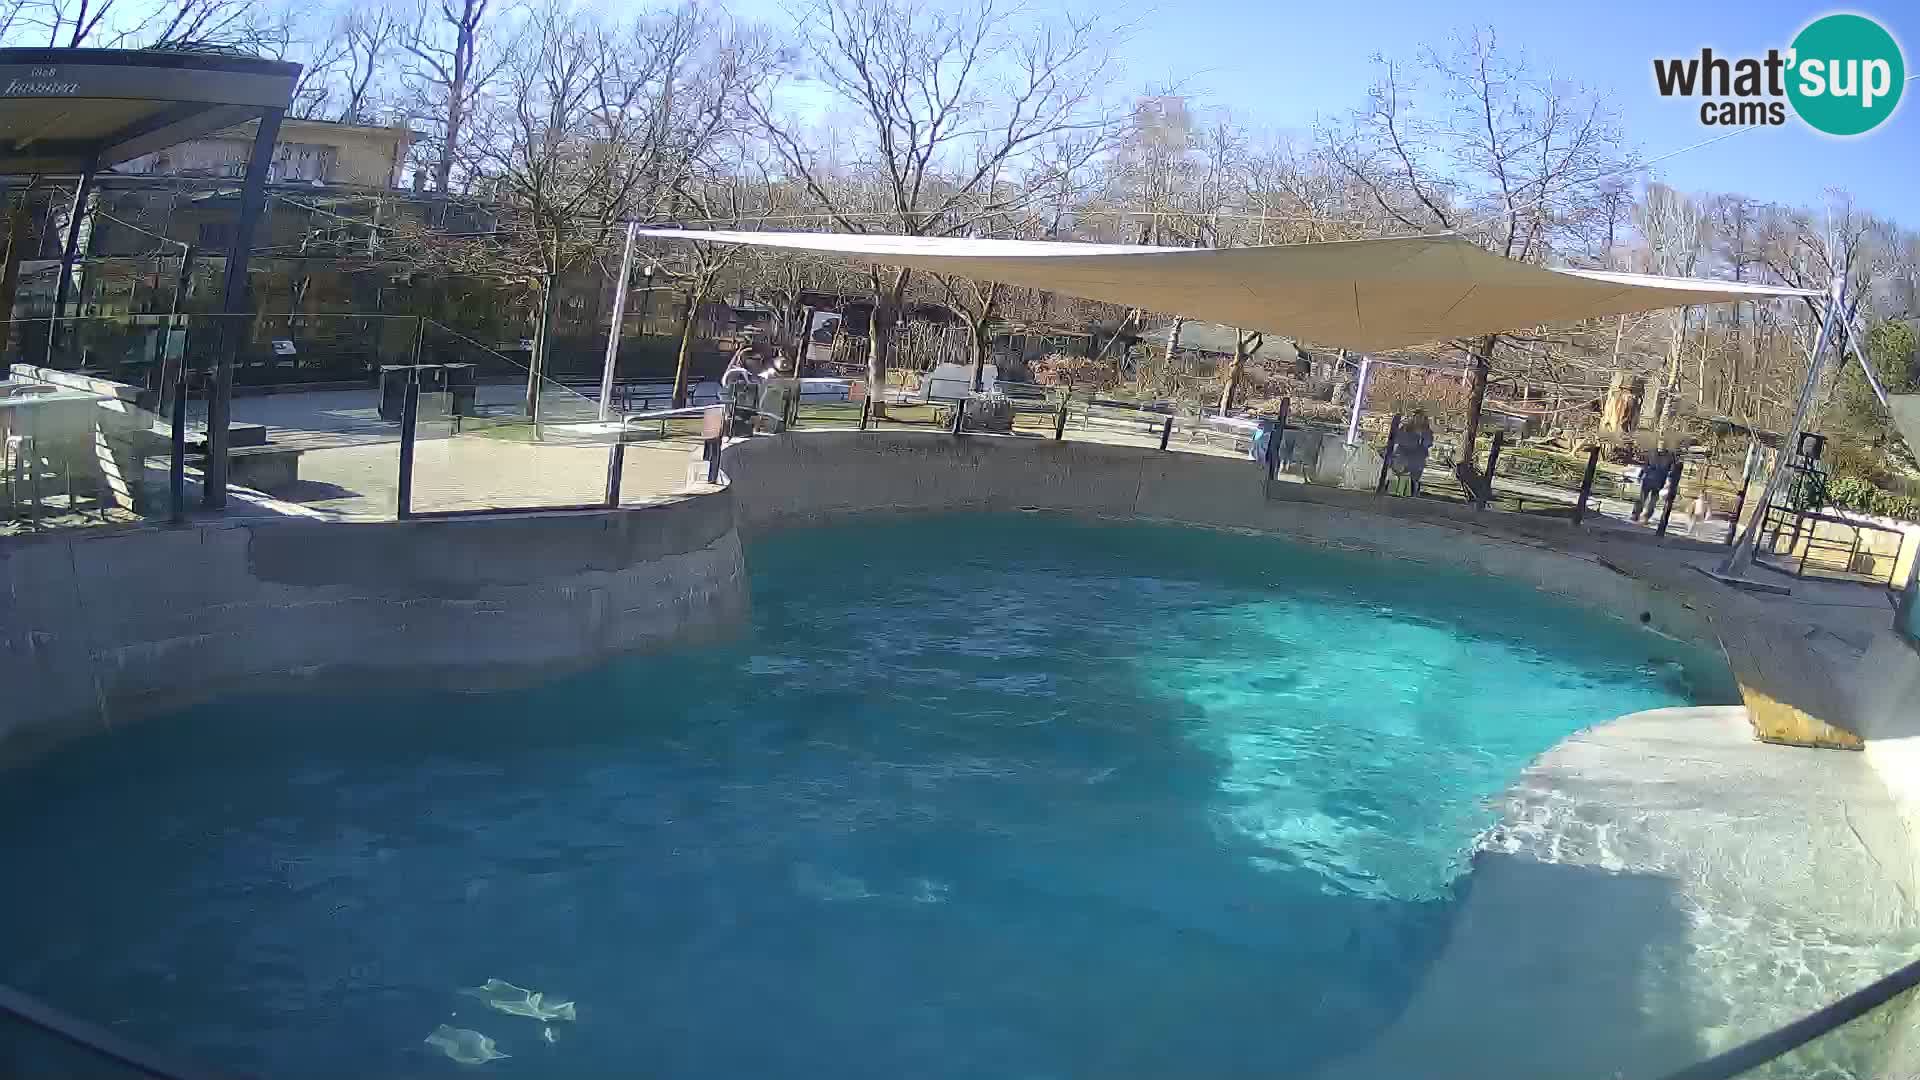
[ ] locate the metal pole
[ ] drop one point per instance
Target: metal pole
(959, 414)
(1359, 399)
(1586, 483)
(177, 467)
(173, 390)
(1386, 459)
(409, 414)
(236, 310)
(1493, 459)
(619, 317)
(1673, 492)
(69, 252)
(1166, 431)
(1740, 559)
(1866, 367)
(172, 370)
(1060, 418)
(616, 464)
(866, 407)
(1754, 450)
(1272, 464)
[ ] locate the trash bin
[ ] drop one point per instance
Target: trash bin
(393, 390)
(461, 380)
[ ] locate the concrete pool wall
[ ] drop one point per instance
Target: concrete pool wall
(823, 476)
(100, 627)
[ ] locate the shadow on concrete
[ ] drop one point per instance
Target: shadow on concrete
(307, 491)
(1551, 970)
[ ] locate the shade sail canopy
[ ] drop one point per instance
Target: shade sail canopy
(1906, 416)
(1356, 294)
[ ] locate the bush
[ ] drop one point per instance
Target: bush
(1078, 371)
(1862, 495)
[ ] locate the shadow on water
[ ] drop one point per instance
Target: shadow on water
(952, 809)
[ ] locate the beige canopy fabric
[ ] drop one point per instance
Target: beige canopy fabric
(1356, 294)
(1906, 416)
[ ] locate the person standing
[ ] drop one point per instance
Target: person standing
(1410, 449)
(1653, 477)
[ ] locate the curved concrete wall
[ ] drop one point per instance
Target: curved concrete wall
(101, 627)
(820, 476)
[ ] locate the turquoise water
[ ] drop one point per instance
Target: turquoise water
(977, 796)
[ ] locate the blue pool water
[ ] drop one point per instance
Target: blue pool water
(977, 796)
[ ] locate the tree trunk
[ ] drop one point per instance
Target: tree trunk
(443, 169)
(980, 344)
(1670, 384)
(542, 341)
(880, 324)
(1476, 399)
(1626, 393)
(1243, 343)
(684, 360)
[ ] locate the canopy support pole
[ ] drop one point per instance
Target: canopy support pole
(1361, 383)
(236, 307)
(619, 318)
(69, 254)
(1738, 561)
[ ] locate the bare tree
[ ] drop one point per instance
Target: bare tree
(956, 111)
(455, 59)
(1508, 158)
(1675, 230)
(216, 24)
(596, 126)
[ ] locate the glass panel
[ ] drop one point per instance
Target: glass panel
(82, 439)
(489, 439)
(309, 435)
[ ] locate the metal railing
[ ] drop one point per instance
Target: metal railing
(1800, 531)
(101, 1055)
(108, 1056)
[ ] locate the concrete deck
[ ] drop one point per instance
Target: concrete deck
(1662, 888)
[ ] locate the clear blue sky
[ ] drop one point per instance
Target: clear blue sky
(1279, 66)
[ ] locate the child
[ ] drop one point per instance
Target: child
(1700, 516)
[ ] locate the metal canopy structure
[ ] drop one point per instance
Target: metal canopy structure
(75, 112)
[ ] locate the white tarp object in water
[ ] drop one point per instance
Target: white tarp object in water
(1357, 294)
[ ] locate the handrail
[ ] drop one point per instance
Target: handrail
(1782, 1040)
(95, 1039)
(667, 414)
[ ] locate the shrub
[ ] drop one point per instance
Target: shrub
(1079, 371)
(1862, 495)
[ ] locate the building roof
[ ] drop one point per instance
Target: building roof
(65, 111)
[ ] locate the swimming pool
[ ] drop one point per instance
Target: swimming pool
(973, 795)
